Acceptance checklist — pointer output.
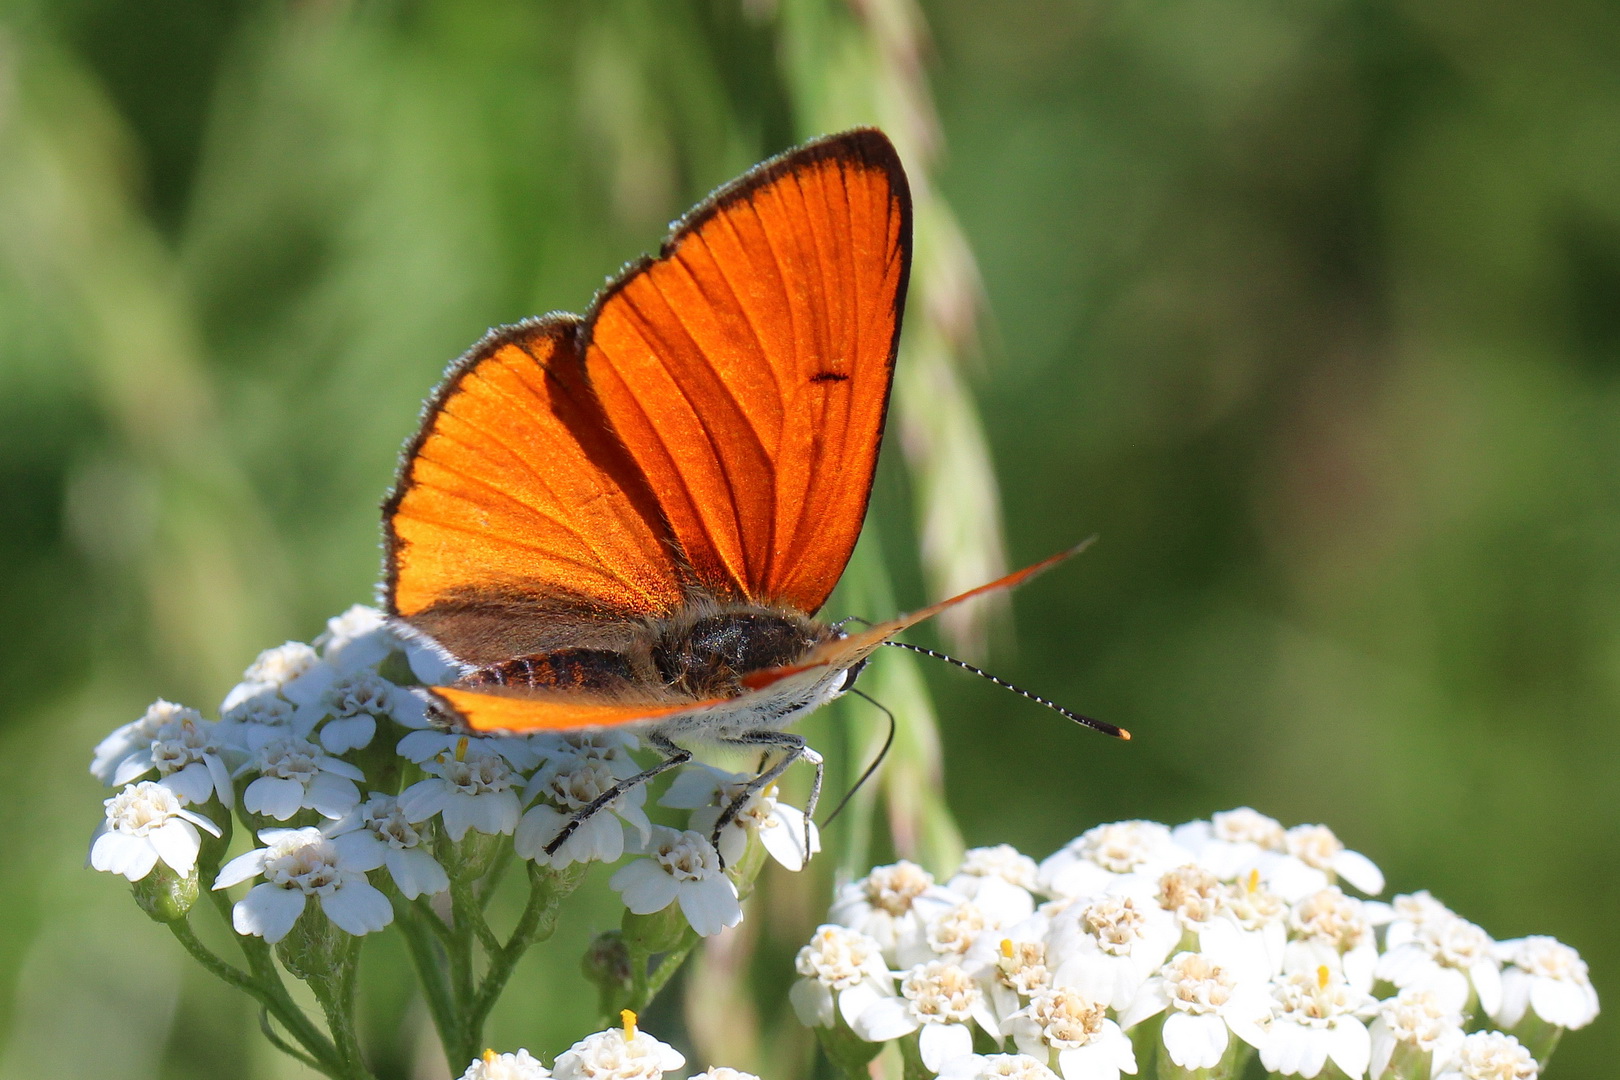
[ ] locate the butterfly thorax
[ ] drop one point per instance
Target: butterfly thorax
(707, 655)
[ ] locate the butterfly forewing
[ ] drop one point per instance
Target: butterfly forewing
(747, 368)
(518, 522)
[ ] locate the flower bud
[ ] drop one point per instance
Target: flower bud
(656, 933)
(166, 896)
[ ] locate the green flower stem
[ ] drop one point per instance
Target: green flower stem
(264, 985)
(492, 880)
(335, 992)
(427, 960)
(547, 888)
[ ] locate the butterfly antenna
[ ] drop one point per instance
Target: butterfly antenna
(870, 769)
(1095, 725)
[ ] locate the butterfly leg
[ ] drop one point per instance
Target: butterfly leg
(794, 748)
(674, 756)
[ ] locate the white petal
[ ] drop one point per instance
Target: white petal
(1562, 1003)
(1195, 1042)
(854, 1001)
(241, 868)
(177, 844)
(1151, 1000)
(940, 1043)
(358, 907)
(268, 911)
(537, 828)
(332, 796)
(644, 886)
(423, 799)
(360, 850)
(194, 783)
(1359, 871)
(696, 787)
(120, 853)
(274, 797)
(812, 1002)
(418, 746)
(133, 767)
(710, 905)
(349, 733)
(1510, 1010)
(1090, 1062)
(1487, 979)
(885, 1020)
(417, 873)
(1350, 1046)
(784, 838)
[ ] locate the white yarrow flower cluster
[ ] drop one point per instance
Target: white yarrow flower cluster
(1185, 952)
(328, 747)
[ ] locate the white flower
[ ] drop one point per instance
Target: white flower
(519, 1066)
(841, 968)
(1487, 1055)
(134, 738)
(723, 1072)
(995, 1067)
(360, 637)
(1416, 1019)
(954, 931)
(298, 864)
(380, 822)
(1064, 1022)
(781, 828)
(146, 822)
(1109, 947)
(1260, 911)
(1444, 952)
(941, 999)
(894, 905)
(1316, 848)
(252, 721)
(571, 784)
(350, 704)
(471, 786)
(1011, 965)
(516, 750)
(1332, 928)
(1207, 1002)
(186, 752)
(1091, 863)
(618, 1054)
(1233, 842)
(605, 744)
(294, 774)
(275, 670)
(1000, 879)
(1317, 1016)
(680, 867)
(1547, 977)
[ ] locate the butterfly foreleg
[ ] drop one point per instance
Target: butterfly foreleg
(794, 748)
(673, 756)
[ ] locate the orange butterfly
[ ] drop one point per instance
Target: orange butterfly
(633, 517)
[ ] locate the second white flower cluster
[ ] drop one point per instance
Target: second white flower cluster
(1186, 951)
(299, 755)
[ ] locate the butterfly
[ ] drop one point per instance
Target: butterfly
(631, 518)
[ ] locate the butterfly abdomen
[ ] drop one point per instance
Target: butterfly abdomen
(563, 669)
(707, 656)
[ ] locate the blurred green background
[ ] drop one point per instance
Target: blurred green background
(1311, 311)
